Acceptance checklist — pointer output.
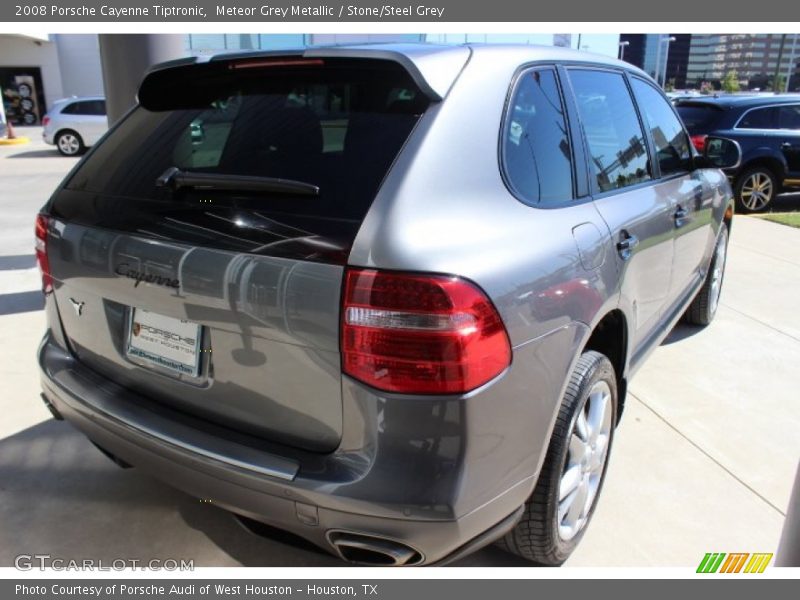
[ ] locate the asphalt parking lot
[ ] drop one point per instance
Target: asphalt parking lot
(704, 459)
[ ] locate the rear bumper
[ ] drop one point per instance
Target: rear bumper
(311, 497)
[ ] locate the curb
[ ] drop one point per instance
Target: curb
(15, 142)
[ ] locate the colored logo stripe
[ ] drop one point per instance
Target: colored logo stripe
(734, 562)
(713, 562)
(758, 563)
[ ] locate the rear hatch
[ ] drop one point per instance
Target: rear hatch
(699, 117)
(198, 252)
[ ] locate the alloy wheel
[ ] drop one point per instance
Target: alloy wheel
(720, 254)
(583, 470)
(757, 191)
(69, 144)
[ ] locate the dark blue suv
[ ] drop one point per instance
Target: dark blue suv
(768, 130)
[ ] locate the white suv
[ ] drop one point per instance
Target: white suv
(74, 124)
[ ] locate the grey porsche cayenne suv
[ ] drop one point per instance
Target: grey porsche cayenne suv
(387, 298)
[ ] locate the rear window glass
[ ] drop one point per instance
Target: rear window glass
(337, 125)
(536, 150)
(759, 118)
(698, 117)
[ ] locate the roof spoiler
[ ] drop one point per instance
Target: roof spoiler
(434, 69)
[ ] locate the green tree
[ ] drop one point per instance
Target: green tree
(670, 85)
(731, 82)
(780, 84)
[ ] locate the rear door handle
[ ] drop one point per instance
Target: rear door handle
(626, 244)
(787, 146)
(680, 216)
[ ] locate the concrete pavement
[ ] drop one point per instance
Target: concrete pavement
(703, 461)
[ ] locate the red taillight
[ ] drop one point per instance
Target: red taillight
(45, 120)
(42, 223)
(699, 142)
(420, 334)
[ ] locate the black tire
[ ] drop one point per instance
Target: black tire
(704, 306)
(69, 149)
(746, 204)
(536, 536)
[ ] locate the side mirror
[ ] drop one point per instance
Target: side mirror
(721, 153)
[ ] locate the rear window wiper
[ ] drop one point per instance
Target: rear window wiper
(175, 178)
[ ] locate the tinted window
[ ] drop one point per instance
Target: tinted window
(94, 107)
(759, 118)
(789, 117)
(618, 153)
(536, 149)
(338, 126)
(671, 141)
(86, 107)
(698, 118)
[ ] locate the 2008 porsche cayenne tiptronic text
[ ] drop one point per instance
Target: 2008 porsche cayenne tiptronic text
(388, 298)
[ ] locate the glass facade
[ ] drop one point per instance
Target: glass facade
(706, 58)
(753, 58)
(210, 43)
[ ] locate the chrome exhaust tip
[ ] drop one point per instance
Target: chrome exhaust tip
(370, 550)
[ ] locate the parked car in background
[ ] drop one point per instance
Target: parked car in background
(677, 96)
(74, 124)
(298, 286)
(767, 127)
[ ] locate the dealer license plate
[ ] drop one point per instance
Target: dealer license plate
(166, 342)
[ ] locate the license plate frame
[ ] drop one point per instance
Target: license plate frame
(163, 344)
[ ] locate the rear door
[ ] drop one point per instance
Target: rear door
(680, 185)
(221, 298)
(94, 120)
(789, 129)
(639, 218)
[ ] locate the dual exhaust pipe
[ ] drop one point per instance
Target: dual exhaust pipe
(369, 550)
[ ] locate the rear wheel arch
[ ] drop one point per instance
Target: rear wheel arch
(773, 163)
(610, 338)
(64, 130)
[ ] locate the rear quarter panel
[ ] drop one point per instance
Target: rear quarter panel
(444, 208)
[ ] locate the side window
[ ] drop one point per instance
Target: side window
(70, 109)
(789, 117)
(671, 142)
(537, 156)
(618, 153)
(759, 118)
(95, 107)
